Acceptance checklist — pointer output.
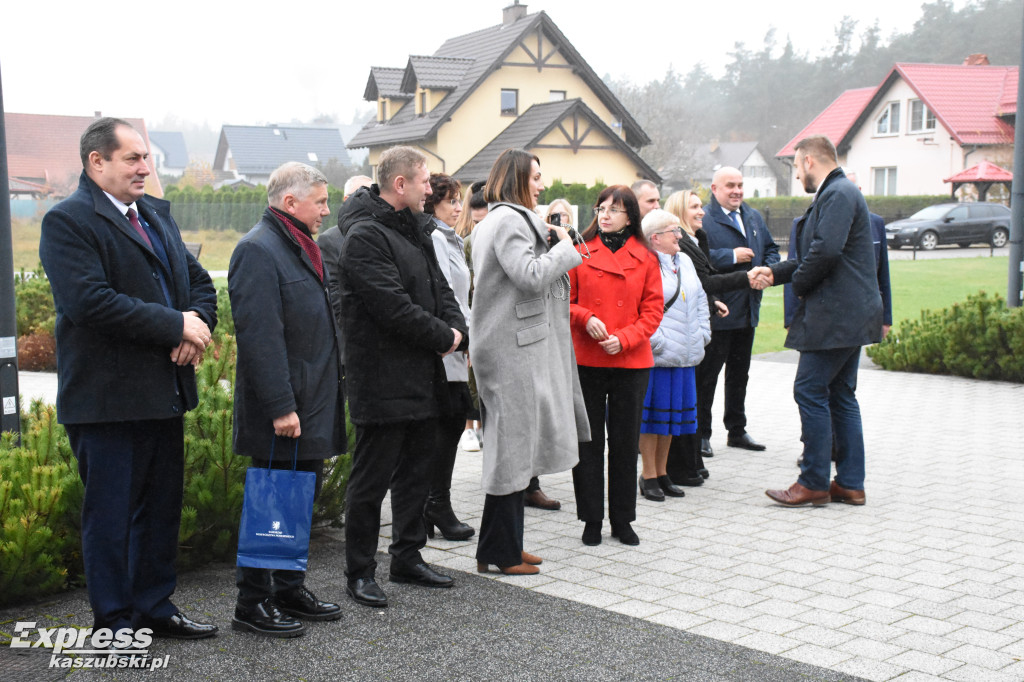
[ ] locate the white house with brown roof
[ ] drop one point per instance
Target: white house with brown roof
(924, 123)
(518, 84)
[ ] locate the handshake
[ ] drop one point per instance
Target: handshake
(760, 277)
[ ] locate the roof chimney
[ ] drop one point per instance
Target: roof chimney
(978, 59)
(513, 13)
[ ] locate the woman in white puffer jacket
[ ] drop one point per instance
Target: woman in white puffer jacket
(670, 407)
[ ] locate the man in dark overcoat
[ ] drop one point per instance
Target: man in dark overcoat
(400, 319)
(738, 240)
(135, 312)
(288, 392)
(839, 310)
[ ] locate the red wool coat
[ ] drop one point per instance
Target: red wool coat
(624, 290)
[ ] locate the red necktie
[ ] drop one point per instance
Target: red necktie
(133, 218)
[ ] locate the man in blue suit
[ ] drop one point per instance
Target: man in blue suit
(839, 310)
(738, 241)
(135, 312)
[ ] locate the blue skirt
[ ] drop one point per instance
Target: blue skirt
(670, 406)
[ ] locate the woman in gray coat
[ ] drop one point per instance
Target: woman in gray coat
(522, 354)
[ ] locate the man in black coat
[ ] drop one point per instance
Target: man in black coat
(839, 310)
(134, 314)
(400, 319)
(330, 243)
(288, 393)
(738, 241)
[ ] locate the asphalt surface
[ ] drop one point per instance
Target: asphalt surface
(479, 630)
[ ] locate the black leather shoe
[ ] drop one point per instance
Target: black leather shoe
(420, 574)
(592, 534)
(671, 489)
(266, 619)
(625, 533)
(704, 473)
(651, 490)
(367, 592)
(705, 448)
(180, 626)
(301, 603)
(690, 479)
(745, 442)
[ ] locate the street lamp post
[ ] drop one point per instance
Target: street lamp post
(10, 415)
(1015, 281)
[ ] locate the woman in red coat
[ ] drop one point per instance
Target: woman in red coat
(616, 304)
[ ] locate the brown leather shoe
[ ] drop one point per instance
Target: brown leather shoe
(798, 496)
(845, 495)
(532, 559)
(521, 569)
(538, 499)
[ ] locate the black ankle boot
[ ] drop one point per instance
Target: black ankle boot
(439, 512)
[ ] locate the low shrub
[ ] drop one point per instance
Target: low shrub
(37, 352)
(979, 338)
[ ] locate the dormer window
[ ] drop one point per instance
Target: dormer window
(382, 110)
(921, 118)
(423, 102)
(889, 121)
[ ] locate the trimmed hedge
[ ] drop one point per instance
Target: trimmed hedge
(979, 338)
(227, 208)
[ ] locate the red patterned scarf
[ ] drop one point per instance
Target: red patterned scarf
(305, 241)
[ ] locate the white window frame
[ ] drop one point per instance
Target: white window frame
(515, 93)
(889, 178)
(921, 122)
(892, 109)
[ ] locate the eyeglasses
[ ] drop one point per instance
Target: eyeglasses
(677, 231)
(600, 210)
(455, 202)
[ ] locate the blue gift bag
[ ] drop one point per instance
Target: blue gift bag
(277, 512)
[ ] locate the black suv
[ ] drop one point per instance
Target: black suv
(962, 224)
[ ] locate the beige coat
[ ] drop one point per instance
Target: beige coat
(522, 353)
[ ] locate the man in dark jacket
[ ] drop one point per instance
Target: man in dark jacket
(840, 310)
(330, 243)
(288, 390)
(400, 319)
(134, 314)
(738, 241)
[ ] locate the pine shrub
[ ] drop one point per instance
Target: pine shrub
(979, 338)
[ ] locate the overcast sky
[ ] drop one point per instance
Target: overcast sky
(254, 63)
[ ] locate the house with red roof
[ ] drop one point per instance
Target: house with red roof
(924, 123)
(43, 157)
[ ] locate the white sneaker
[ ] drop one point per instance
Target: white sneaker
(469, 441)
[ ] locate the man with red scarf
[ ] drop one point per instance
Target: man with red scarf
(288, 389)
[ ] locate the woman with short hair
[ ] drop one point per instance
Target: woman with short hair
(445, 204)
(670, 406)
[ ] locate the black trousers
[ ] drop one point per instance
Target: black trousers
(396, 456)
(684, 457)
(731, 348)
(616, 396)
(449, 431)
(501, 530)
(256, 584)
(133, 475)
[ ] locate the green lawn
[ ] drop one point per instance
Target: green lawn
(916, 286)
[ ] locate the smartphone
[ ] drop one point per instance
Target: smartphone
(555, 219)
